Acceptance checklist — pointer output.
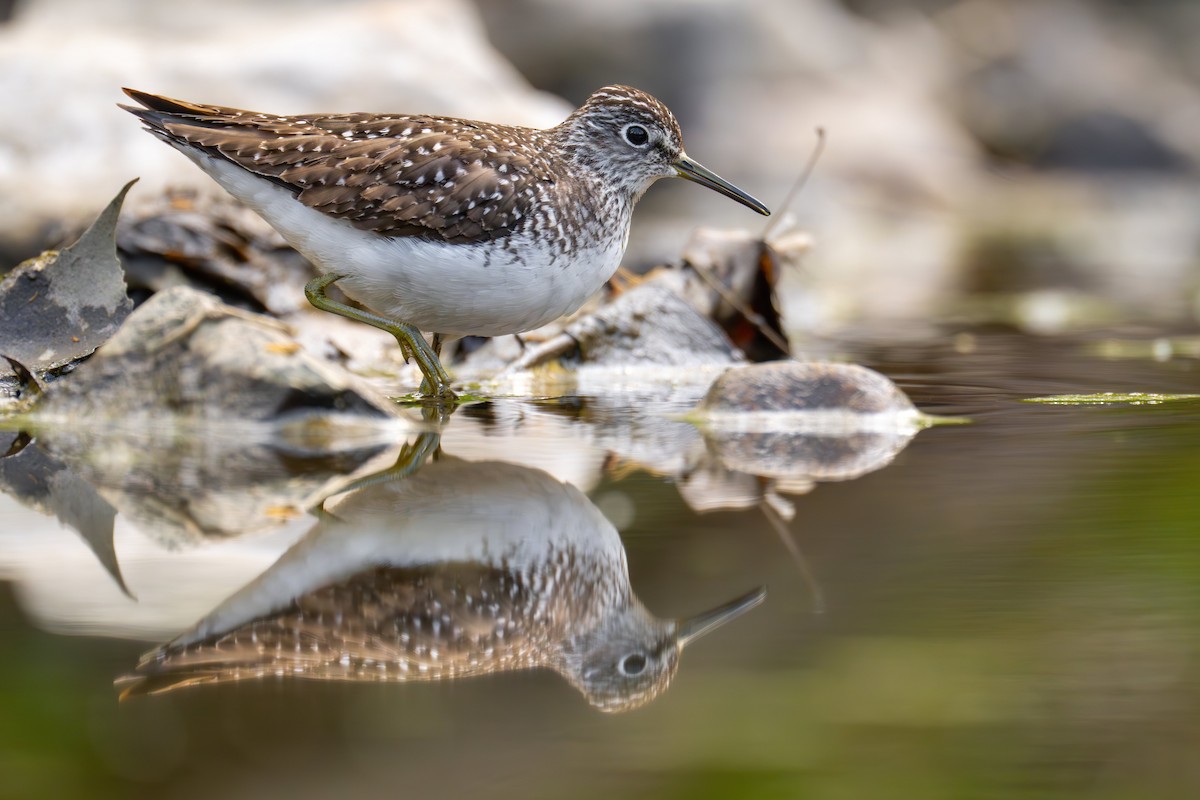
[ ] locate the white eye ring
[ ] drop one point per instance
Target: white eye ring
(633, 664)
(636, 135)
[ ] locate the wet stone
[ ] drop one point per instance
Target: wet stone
(203, 421)
(183, 353)
(796, 386)
(803, 423)
(649, 325)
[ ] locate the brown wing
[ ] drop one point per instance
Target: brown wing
(387, 624)
(457, 180)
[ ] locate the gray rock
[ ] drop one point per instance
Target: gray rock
(184, 354)
(647, 326)
(205, 421)
(783, 386)
(650, 325)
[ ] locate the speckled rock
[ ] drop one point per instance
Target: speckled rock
(798, 386)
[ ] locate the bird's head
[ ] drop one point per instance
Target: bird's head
(632, 140)
(630, 657)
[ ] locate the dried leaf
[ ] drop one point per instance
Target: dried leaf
(61, 306)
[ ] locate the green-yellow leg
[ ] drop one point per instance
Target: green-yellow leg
(436, 382)
(426, 388)
(408, 461)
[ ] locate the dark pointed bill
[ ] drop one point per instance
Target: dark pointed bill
(694, 171)
(691, 629)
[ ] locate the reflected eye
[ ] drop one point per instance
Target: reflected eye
(636, 135)
(633, 664)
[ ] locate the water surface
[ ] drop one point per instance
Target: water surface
(1005, 608)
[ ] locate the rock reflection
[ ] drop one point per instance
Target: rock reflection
(44, 483)
(448, 570)
(187, 487)
(797, 424)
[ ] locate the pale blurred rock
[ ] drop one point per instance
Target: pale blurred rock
(932, 110)
(67, 148)
(1113, 248)
(1073, 85)
(751, 82)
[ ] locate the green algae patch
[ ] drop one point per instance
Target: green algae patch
(934, 420)
(1112, 398)
(418, 400)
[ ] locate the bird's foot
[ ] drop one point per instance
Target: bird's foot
(436, 392)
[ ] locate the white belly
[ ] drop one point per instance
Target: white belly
(488, 289)
(481, 289)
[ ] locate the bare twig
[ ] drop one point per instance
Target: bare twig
(799, 184)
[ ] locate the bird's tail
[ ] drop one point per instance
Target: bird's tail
(156, 109)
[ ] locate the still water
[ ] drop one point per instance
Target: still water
(1006, 608)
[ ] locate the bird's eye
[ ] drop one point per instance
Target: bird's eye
(636, 135)
(633, 664)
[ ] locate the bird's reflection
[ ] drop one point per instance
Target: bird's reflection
(443, 570)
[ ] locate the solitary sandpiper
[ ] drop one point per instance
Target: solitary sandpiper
(443, 225)
(464, 569)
